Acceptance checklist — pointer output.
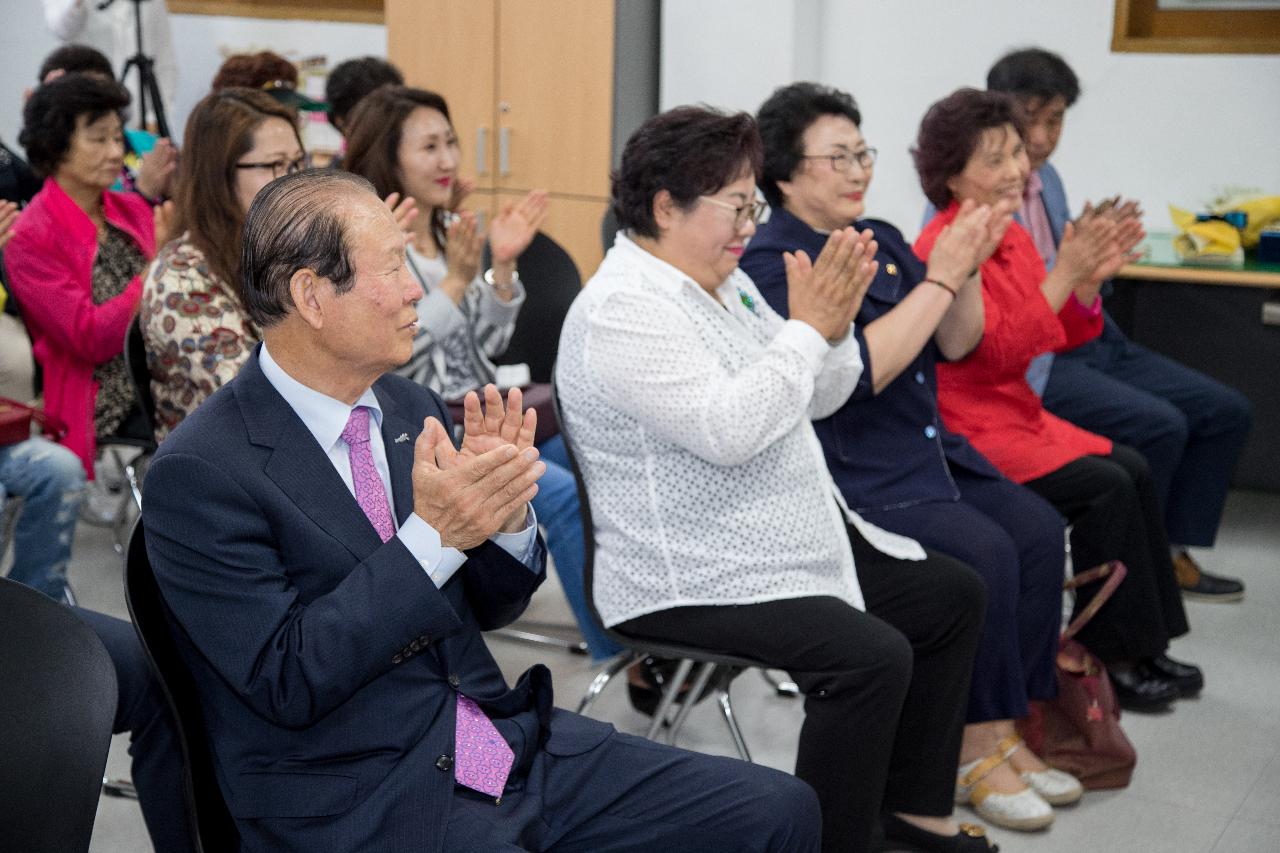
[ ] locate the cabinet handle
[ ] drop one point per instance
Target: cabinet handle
(504, 151)
(482, 153)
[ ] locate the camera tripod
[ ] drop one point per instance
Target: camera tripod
(148, 87)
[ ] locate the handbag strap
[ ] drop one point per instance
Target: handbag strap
(1114, 572)
(52, 427)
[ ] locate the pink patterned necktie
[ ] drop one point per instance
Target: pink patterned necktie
(371, 494)
(482, 759)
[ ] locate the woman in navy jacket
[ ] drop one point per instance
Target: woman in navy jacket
(888, 450)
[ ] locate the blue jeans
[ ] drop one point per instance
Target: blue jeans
(50, 479)
(556, 505)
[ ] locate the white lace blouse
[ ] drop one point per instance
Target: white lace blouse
(690, 417)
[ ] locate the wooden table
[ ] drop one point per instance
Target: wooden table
(1211, 318)
(1163, 263)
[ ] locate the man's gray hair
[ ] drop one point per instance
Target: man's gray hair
(296, 222)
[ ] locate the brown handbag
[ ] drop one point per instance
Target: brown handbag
(1079, 731)
(15, 423)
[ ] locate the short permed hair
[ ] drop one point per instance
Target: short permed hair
(254, 71)
(949, 134)
(784, 118)
(297, 222)
(354, 79)
(687, 151)
(50, 115)
(1034, 73)
(76, 59)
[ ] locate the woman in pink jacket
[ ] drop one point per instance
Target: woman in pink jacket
(77, 257)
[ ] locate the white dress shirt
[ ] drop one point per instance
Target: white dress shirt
(690, 417)
(326, 417)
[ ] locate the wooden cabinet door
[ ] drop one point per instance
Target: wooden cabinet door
(573, 223)
(555, 95)
(450, 47)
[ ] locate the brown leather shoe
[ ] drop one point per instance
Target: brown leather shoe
(1199, 584)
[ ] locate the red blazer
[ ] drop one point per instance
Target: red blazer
(985, 395)
(50, 264)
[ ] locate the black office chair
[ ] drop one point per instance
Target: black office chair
(132, 467)
(211, 826)
(608, 228)
(714, 670)
(57, 704)
(551, 281)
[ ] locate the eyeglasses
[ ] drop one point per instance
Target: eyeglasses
(843, 161)
(278, 167)
(752, 210)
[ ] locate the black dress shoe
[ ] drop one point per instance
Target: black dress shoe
(657, 674)
(1187, 678)
(1198, 584)
(1140, 689)
(900, 835)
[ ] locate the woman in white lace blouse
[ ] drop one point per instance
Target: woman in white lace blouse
(717, 523)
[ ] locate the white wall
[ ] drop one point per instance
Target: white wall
(1160, 128)
(202, 42)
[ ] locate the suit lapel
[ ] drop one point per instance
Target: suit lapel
(399, 436)
(299, 466)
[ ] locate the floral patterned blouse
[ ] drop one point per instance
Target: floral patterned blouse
(196, 331)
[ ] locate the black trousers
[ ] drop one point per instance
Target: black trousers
(1115, 512)
(1013, 539)
(885, 691)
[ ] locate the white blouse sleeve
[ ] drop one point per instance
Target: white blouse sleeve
(651, 362)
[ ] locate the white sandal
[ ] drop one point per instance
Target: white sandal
(1024, 810)
(1056, 787)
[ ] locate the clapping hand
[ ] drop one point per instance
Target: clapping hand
(827, 293)
(962, 245)
(515, 225)
(465, 244)
(1101, 241)
(8, 216)
(496, 424)
(405, 210)
(468, 498)
(460, 189)
(157, 168)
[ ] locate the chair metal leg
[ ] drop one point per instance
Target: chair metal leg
(617, 664)
(700, 680)
(669, 697)
(784, 687)
(68, 595)
(119, 788)
(726, 711)
(513, 632)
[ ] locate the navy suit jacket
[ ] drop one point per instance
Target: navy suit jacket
(328, 662)
(886, 450)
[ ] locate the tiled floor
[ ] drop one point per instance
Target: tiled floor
(1208, 776)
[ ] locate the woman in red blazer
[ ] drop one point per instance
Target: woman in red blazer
(970, 147)
(77, 258)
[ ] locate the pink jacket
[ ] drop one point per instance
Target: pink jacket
(50, 264)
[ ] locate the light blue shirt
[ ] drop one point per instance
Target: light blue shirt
(326, 417)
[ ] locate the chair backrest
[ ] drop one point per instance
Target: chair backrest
(211, 825)
(135, 361)
(551, 281)
(588, 524)
(57, 702)
(608, 228)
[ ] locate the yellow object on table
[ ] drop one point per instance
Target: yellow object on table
(1212, 241)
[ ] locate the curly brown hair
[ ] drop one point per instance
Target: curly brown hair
(950, 132)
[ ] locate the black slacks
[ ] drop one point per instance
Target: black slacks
(1116, 515)
(885, 691)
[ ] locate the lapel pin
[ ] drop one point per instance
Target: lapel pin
(891, 268)
(402, 437)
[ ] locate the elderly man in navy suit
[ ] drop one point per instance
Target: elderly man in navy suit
(329, 559)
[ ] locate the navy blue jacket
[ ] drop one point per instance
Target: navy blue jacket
(327, 661)
(884, 450)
